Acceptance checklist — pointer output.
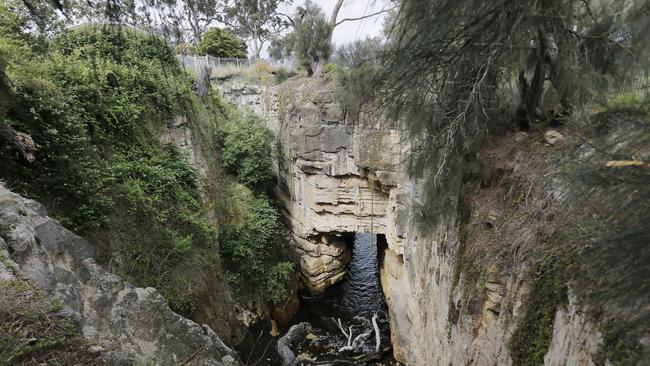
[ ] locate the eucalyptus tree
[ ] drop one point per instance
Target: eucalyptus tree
(256, 21)
(310, 40)
(334, 21)
(199, 15)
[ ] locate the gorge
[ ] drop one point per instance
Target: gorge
(156, 209)
(335, 177)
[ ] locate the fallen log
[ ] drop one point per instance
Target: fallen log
(295, 333)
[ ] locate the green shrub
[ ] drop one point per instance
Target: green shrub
(248, 243)
(282, 74)
(277, 282)
(246, 150)
(249, 246)
(221, 43)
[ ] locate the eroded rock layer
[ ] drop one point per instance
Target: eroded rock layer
(337, 176)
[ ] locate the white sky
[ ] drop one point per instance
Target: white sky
(350, 31)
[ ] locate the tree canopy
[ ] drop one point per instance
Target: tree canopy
(256, 21)
(309, 41)
(221, 43)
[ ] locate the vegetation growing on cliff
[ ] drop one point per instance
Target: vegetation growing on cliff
(572, 231)
(532, 337)
(246, 149)
(97, 100)
(249, 244)
(33, 330)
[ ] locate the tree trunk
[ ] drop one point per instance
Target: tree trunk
(319, 68)
(324, 59)
(531, 93)
(256, 46)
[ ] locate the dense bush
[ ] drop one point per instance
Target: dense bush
(221, 43)
(247, 149)
(248, 245)
(94, 103)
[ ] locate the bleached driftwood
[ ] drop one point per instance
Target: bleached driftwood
(352, 344)
(377, 335)
(355, 343)
(348, 334)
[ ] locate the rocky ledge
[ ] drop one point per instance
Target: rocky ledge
(128, 324)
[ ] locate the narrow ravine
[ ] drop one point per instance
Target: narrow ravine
(354, 301)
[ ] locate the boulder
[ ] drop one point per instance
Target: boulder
(134, 323)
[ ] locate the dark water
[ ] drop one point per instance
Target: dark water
(354, 301)
(361, 292)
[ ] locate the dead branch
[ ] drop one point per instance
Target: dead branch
(365, 16)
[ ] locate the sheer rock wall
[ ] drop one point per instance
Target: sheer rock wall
(337, 176)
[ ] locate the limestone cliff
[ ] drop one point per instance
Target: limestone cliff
(128, 323)
(333, 176)
(336, 176)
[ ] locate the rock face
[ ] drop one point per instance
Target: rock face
(216, 307)
(134, 324)
(335, 176)
(574, 338)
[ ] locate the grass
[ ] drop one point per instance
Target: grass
(34, 332)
